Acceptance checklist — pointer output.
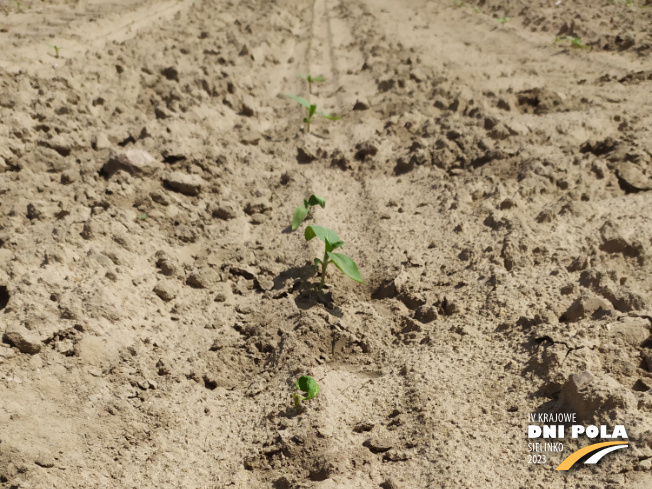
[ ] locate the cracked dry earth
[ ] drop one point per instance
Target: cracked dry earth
(494, 187)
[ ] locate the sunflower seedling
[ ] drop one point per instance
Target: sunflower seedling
(312, 79)
(301, 212)
(332, 242)
(312, 111)
(308, 385)
(575, 42)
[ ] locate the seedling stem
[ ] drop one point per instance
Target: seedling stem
(324, 264)
(312, 79)
(312, 111)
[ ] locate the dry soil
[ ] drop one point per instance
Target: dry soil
(493, 185)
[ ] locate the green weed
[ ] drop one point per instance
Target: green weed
(504, 20)
(308, 385)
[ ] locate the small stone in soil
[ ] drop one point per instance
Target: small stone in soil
(166, 290)
(184, 183)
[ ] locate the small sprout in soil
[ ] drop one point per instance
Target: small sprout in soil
(142, 216)
(332, 242)
(629, 3)
(458, 3)
(312, 79)
(575, 42)
(301, 212)
(19, 7)
(56, 50)
(477, 9)
(504, 20)
(312, 110)
(308, 385)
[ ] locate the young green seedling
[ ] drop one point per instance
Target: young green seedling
(312, 110)
(312, 79)
(332, 242)
(56, 50)
(504, 20)
(575, 42)
(301, 212)
(308, 385)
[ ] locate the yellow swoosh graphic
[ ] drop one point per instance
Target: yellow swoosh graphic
(574, 457)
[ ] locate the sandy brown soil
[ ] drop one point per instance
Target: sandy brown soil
(494, 187)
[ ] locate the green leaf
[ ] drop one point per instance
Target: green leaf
(319, 78)
(314, 200)
(333, 246)
(322, 233)
(307, 384)
(329, 247)
(329, 117)
(346, 265)
(318, 263)
(300, 214)
(301, 100)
